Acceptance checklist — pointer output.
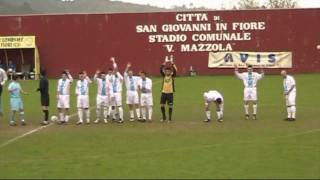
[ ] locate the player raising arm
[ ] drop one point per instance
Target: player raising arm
(82, 92)
(16, 103)
(116, 96)
(146, 99)
(210, 97)
(103, 95)
(290, 92)
(63, 96)
(250, 80)
(168, 88)
(132, 92)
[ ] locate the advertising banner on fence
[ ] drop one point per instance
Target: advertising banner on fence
(256, 59)
(17, 42)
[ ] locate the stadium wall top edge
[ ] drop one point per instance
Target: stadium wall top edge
(157, 12)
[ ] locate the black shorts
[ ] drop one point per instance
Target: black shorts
(167, 98)
(45, 100)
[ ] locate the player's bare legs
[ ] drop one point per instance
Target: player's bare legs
(208, 113)
(137, 108)
(87, 114)
(131, 112)
(246, 109)
(163, 111)
(254, 108)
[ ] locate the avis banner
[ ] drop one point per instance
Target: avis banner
(256, 59)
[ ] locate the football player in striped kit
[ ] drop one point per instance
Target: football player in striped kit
(103, 96)
(116, 95)
(290, 92)
(63, 96)
(146, 99)
(82, 92)
(131, 83)
(250, 80)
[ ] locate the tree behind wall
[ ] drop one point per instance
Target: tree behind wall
(248, 4)
(273, 4)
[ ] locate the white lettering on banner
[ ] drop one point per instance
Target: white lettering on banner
(221, 37)
(167, 38)
(248, 26)
(186, 27)
(192, 17)
(256, 59)
(205, 47)
(200, 32)
(146, 28)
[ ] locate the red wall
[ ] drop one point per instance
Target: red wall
(86, 41)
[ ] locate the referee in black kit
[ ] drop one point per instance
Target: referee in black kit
(44, 92)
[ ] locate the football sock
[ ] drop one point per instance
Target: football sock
(46, 115)
(98, 113)
(208, 114)
(293, 112)
(67, 118)
(87, 111)
(80, 114)
(150, 112)
(219, 114)
(12, 116)
(255, 107)
(1, 109)
(22, 116)
(120, 112)
(170, 112)
(61, 116)
(143, 111)
(289, 111)
(163, 111)
(131, 114)
(138, 112)
(105, 112)
(246, 108)
(109, 110)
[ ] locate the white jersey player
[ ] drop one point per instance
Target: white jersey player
(290, 92)
(213, 96)
(146, 99)
(250, 80)
(131, 83)
(82, 92)
(63, 96)
(103, 95)
(116, 95)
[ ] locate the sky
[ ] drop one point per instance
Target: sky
(214, 4)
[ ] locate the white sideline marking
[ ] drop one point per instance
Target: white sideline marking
(39, 128)
(29, 132)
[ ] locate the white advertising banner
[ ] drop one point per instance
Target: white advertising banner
(256, 59)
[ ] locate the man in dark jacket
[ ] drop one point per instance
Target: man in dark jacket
(44, 92)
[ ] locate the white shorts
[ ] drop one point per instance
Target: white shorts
(83, 101)
(64, 101)
(250, 94)
(220, 106)
(291, 99)
(146, 99)
(102, 101)
(132, 97)
(116, 99)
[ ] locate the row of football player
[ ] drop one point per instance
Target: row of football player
(109, 95)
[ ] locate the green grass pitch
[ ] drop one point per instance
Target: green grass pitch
(186, 148)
